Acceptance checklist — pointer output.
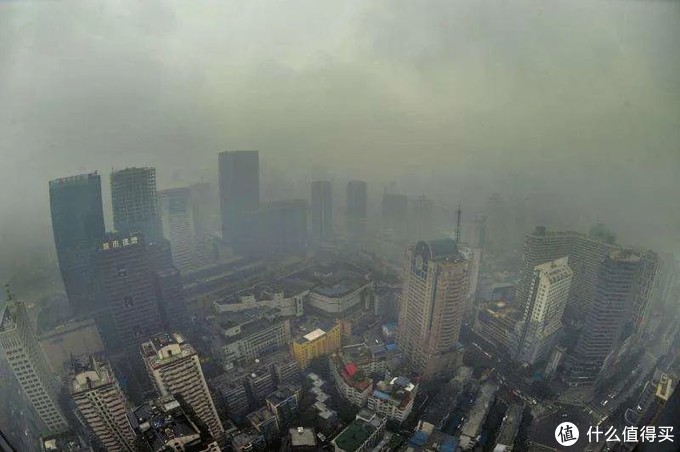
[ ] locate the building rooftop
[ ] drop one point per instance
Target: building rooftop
(356, 433)
(67, 441)
(89, 372)
(302, 437)
(260, 416)
(480, 410)
(163, 420)
(164, 348)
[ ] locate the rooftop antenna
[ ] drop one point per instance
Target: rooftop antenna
(458, 215)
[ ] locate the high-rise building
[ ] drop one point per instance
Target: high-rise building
(128, 307)
(100, 402)
(239, 175)
(286, 226)
(135, 203)
(356, 209)
(206, 219)
(394, 213)
(175, 369)
(28, 363)
(177, 219)
(322, 210)
(608, 318)
(171, 302)
(433, 303)
(421, 219)
(543, 309)
(78, 226)
(586, 254)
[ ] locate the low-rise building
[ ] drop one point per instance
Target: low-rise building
(264, 422)
(509, 428)
(496, 322)
(286, 372)
(302, 439)
(284, 403)
(393, 399)
(350, 381)
(318, 342)
(473, 425)
(340, 296)
(249, 440)
(244, 338)
(366, 431)
(165, 425)
(288, 301)
(259, 384)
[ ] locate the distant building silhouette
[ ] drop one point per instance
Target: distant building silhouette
(135, 203)
(394, 213)
(177, 219)
(239, 176)
(321, 210)
(78, 227)
(356, 210)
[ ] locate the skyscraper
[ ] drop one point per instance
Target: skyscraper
(608, 317)
(128, 307)
(394, 213)
(177, 219)
(29, 364)
(78, 226)
(175, 369)
(356, 209)
(100, 402)
(322, 210)
(135, 203)
(543, 309)
(586, 254)
(433, 303)
(239, 175)
(286, 226)
(421, 218)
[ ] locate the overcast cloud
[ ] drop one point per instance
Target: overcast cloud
(457, 99)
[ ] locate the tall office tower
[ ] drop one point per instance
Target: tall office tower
(394, 213)
(129, 313)
(175, 369)
(239, 174)
(171, 301)
(177, 220)
(356, 209)
(433, 302)
(78, 226)
(286, 226)
(100, 402)
(135, 203)
(548, 295)
(608, 318)
(586, 254)
(206, 219)
(421, 218)
(29, 364)
(322, 210)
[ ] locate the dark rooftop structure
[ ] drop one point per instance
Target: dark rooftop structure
(166, 419)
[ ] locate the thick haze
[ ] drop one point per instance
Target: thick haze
(450, 99)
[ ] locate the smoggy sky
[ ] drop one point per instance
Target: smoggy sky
(577, 98)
